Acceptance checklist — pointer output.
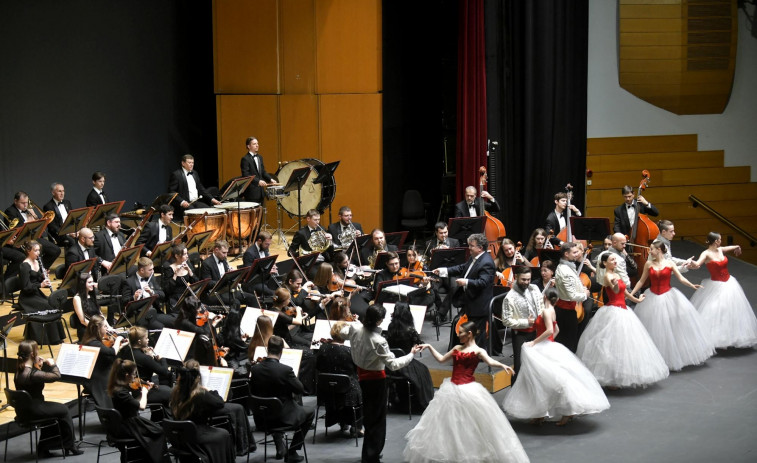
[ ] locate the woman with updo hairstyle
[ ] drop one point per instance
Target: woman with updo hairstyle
(297, 339)
(231, 336)
(191, 401)
(32, 374)
(129, 396)
(32, 299)
(339, 310)
(149, 364)
(176, 275)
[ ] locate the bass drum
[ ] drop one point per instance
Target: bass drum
(314, 196)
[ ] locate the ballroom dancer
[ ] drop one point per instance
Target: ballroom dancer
(552, 380)
(463, 414)
(673, 323)
(725, 310)
(615, 346)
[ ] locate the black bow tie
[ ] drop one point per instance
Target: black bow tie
(145, 279)
(189, 174)
(629, 206)
(114, 235)
(165, 226)
(102, 193)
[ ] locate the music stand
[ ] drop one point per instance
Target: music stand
(5, 237)
(200, 240)
(590, 228)
(548, 254)
(196, 288)
(296, 179)
(7, 322)
(307, 261)
(160, 250)
(73, 272)
(165, 198)
(125, 259)
(102, 211)
(356, 247)
(29, 231)
(138, 307)
(447, 257)
(383, 257)
(325, 172)
(234, 191)
(228, 281)
(396, 238)
(461, 228)
(261, 267)
(75, 220)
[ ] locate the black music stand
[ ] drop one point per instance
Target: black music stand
(196, 289)
(447, 257)
(126, 258)
(29, 231)
(165, 198)
(590, 228)
(7, 322)
(549, 254)
(200, 240)
(159, 252)
(102, 211)
(356, 247)
(227, 283)
(285, 266)
(138, 307)
(234, 191)
(261, 267)
(396, 238)
(307, 261)
(296, 180)
(383, 257)
(73, 272)
(461, 228)
(5, 237)
(325, 172)
(75, 220)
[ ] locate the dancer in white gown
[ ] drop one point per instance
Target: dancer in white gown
(725, 310)
(463, 422)
(552, 381)
(615, 346)
(673, 323)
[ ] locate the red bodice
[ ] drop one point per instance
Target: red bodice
(463, 366)
(542, 327)
(660, 280)
(719, 269)
(618, 300)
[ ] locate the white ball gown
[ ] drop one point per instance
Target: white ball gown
(463, 423)
(617, 349)
(673, 323)
(553, 383)
(726, 313)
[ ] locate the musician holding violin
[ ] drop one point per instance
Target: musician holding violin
(289, 315)
(129, 395)
(196, 318)
(32, 374)
(148, 364)
(98, 334)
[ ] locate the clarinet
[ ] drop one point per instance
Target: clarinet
(44, 272)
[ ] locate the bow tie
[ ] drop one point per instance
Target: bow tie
(629, 206)
(165, 226)
(114, 235)
(145, 279)
(189, 174)
(102, 193)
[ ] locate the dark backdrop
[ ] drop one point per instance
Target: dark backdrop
(121, 87)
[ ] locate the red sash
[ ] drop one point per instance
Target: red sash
(568, 305)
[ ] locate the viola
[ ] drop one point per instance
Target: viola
(348, 284)
(414, 271)
(202, 318)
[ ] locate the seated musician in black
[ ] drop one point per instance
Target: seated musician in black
(97, 335)
(158, 231)
(142, 285)
(21, 211)
(265, 284)
(376, 245)
(472, 206)
(151, 368)
(302, 239)
(176, 276)
(60, 206)
(215, 267)
(344, 227)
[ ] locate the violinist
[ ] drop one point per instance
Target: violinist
(194, 317)
(98, 335)
(625, 214)
(472, 206)
(339, 310)
(293, 281)
(130, 395)
(149, 366)
(32, 374)
(236, 341)
(85, 304)
(289, 317)
(263, 332)
(324, 279)
(547, 271)
(176, 275)
(415, 271)
(391, 272)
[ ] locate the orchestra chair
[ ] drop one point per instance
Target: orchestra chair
(56, 301)
(12, 288)
(239, 393)
(393, 378)
(113, 422)
(182, 435)
(413, 212)
(109, 286)
(331, 386)
(21, 402)
(264, 408)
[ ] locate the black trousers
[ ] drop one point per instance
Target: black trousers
(519, 338)
(568, 323)
(374, 418)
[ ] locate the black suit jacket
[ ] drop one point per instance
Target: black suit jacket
(300, 240)
(254, 192)
(367, 251)
(150, 235)
(335, 229)
(57, 222)
(177, 183)
(93, 198)
(14, 213)
(209, 269)
(270, 378)
(553, 223)
(431, 244)
(251, 255)
(74, 254)
(132, 284)
(622, 224)
(461, 208)
(478, 293)
(104, 246)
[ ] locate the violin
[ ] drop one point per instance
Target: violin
(138, 384)
(110, 338)
(348, 284)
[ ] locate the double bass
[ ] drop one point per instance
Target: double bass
(493, 228)
(644, 230)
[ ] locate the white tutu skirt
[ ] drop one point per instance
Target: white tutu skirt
(676, 328)
(552, 383)
(727, 316)
(618, 351)
(463, 424)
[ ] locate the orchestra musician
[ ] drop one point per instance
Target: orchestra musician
(237, 342)
(157, 231)
(83, 249)
(288, 315)
(447, 286)
(345, 226)
(260, 249)
(97, 196)
(625, 214)
(195, 318)
(508, 256)
(215, 267)
(252, 166)
(32, 280)
(376, 245)
(300, 241)
(186, 182)
(176, 276)
(520, 308)
(98, 335)
(570, 290)
(391, 272)
(298, 290)
(85, 304)
(32, 374)
(149, 366)
(547, 270)
(60, 206)
(557, 219)
(143, 285)
(263, 332)
(538, 240)
(21, 210)
(471, 205)
(109, 240)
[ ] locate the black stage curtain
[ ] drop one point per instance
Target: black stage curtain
(536, 97)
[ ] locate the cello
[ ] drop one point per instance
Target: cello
(493, 228)
(644, 230)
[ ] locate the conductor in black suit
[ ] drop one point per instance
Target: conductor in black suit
(20, 210)
(270, 378)
(475, 279)
(109, 240)
(96, 195)
(345, 223)
(471, 206)
(625, 214)
(186, 182)
(61, 207)
(157, 232)
(252, 166)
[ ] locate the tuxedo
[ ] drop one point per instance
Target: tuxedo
(151, 234)
(461, 208)
(153, 319)
(475, 297)
(336, 229)
(367, 251)
(553, 222)
(50, 251)
(57, 223)
(177, 183)
(209, 269)
(252, 255)
(300, 240)
(74, 254)
(433, 243)
(256, 284)
(104, 244)
(254, 192)
(622, 224)
(270, 378)
(94, 199)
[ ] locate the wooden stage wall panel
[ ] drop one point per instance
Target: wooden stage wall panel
(298, 46)
(641, 144)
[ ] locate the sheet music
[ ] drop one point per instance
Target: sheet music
(418, 312)
(322, 330)
(250, 318)
(76, 360)
(402, 290)
(217, 379)
(174, 344)
(289, 357)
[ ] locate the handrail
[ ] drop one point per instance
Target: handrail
(492, 331)
(698, 202)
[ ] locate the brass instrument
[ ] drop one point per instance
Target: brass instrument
(30, 210)
(347, 236)
(11, 223)
(318, 242)
(372, 257)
